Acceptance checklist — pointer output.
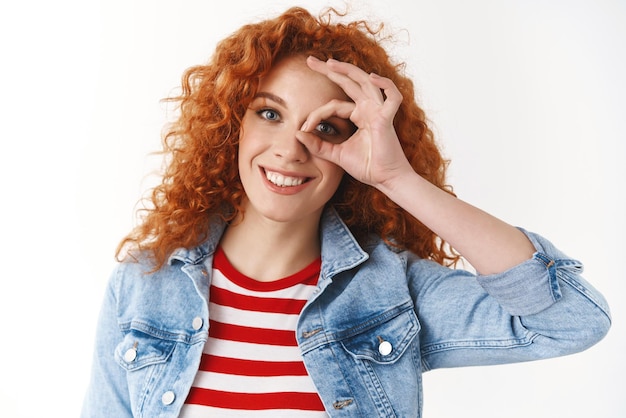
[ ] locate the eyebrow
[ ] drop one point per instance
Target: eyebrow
(271, 97)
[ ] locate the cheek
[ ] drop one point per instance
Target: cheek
(245, 149)
(334, 173)
(244, 159)
(241, 153)
(244, 140)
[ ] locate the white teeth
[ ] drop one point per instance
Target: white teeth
(283, 181)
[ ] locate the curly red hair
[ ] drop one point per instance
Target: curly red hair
(201, 178)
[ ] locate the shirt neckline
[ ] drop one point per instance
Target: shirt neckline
(307, 276)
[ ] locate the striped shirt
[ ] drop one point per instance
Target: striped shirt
(251, 364)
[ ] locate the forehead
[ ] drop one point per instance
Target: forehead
(292, 77)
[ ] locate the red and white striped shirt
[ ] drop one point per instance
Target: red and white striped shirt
(251, 364)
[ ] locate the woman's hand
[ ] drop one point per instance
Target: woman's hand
(373, 154)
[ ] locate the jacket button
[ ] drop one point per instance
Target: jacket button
(385, 348)
(130, 355)
(197, 323)
(168, 398)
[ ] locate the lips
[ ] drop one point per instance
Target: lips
(282, 180)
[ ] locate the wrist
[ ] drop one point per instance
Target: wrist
(406, 181)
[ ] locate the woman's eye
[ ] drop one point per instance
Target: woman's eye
(326, 129)
(269, 114)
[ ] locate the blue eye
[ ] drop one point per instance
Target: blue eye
(326, 129)
(269, 114)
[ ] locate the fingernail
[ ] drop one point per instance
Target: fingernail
(304, 126)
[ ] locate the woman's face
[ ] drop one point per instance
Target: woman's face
(282, 180)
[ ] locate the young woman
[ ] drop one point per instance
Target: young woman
(296, 260)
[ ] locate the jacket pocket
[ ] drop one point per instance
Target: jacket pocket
(139, 350)
(383, 339)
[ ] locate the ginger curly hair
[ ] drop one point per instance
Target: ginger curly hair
(201, 177)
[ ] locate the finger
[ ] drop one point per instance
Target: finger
(354, 81)
(349, 86)
(317, 65)
(318, 147)
(393, 96)
(334, 108)
(359, 76)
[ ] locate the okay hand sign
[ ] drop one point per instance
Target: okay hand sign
(373, 154)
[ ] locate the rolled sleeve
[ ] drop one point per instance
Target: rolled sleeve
(532, 286)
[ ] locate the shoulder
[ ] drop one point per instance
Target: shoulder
(140, 272)
(385, 251)
(142, 292)
(391, 258)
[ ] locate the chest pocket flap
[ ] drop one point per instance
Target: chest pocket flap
(139, 350)
(384, 338)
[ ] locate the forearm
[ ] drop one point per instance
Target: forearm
(374, 156)
(489, 244)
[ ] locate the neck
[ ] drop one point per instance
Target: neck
(267, 250)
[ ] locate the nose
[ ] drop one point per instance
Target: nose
(288, 148)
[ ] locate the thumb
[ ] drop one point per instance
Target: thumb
(318, 147)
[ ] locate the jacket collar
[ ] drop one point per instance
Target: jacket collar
(340, 250)
(197, 254)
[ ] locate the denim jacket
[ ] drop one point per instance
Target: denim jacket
(378, 319)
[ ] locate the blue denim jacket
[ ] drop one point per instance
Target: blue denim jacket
(378, 319)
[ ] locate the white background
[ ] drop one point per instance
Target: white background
(528, 98)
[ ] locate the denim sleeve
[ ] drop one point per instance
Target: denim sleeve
(107, 393)
(538, 309)
(534, 285)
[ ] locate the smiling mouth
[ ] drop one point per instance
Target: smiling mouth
(284, 181)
